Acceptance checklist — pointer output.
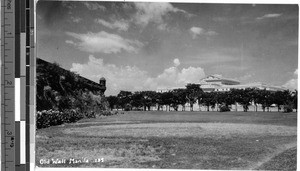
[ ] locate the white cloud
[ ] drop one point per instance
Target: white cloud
(268, 16)
(198, 31)
(131, 78)
(70, 42)
(76, 19)
(153, 12)
(176, 62)
(292, 84)
(120, 25)
(103, 42)
(94, 6)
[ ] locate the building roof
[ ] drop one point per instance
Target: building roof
(219, 79)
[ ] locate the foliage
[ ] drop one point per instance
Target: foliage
(287, 108)
(107, 113)
(124, 98)
(50, 117)
(224, 108)
(207, 99)
(113, 101)
(193, 91)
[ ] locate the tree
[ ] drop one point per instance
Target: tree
(243, 97)
(265, 98)
(207, 99)
(148, 99)
(159, 100)
(124, 98)
(279, 98)
(295, 99)
(167, 99)
(290, 98)
(235, 95)
(180, 97)
(225, 98)
(193, 91)
(113, 101)
(255, 97)
(136, 100)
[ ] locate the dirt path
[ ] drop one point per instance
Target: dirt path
(267, 158)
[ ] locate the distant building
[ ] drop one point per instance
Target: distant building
(162, 90)
(221, 84)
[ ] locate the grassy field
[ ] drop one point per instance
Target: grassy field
(177, 140)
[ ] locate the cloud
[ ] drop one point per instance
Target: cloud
(132, 78)
(269, 16)
(121, 25)
(103, 42)
(154, 12)
(94, 6)
(76, 19)
(292, 84)
(176, 62)
(198, 31)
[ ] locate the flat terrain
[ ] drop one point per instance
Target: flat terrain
(177, 140)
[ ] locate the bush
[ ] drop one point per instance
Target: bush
(106, 113)
(224, 108)
(51, 117)
(90, 114)
(127, 107)
(287, 109)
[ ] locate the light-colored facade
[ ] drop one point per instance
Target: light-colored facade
(219, 83)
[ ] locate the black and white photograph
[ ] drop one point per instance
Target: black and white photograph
(166, 85)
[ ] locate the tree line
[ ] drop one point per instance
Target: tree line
(143, 100)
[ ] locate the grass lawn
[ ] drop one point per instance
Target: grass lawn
(175, 140)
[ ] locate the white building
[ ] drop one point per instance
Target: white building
(219, 83)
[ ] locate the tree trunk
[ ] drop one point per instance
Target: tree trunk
(191, 108)
(208, 108)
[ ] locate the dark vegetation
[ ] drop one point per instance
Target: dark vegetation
(64, 97)
(285, 100)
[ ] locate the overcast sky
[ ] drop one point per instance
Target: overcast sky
(145, 46)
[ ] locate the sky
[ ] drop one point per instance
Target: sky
(146, 46)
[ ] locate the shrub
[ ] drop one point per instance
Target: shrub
(127, 107)
(51, 117)
(90, 114)
(105, 113)
(224, 108)
(287, 109)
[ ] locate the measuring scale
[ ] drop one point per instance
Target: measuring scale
(17, 85)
